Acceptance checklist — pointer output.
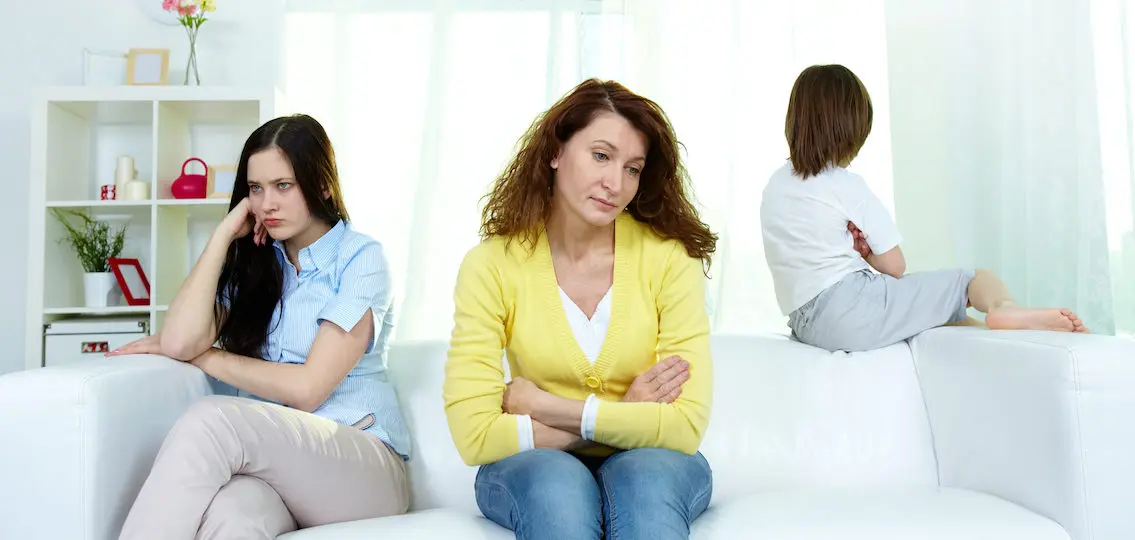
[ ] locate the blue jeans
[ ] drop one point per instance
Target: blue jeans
(647, 493)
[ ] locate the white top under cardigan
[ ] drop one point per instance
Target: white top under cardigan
(590, 334)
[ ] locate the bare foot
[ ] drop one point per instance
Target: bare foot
(1019, 318)
(1077, 324)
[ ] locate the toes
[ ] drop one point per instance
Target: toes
(1078, 325)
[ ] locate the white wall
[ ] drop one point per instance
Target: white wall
(238, 47)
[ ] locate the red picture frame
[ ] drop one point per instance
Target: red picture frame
(130, 276)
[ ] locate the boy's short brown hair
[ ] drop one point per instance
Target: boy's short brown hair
(829, 118)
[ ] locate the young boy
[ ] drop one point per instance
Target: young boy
(824, 231)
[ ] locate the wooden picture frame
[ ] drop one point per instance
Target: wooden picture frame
(132, 280)
(147, 67)
(221, 179)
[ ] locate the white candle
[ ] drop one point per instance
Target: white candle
(136, 190)
(124, 172)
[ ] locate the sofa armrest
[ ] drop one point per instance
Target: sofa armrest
(1043, 419)
(77, 441)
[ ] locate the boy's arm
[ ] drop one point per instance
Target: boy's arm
(891, 263)
(879, 232)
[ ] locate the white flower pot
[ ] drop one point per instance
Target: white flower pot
(100, 289)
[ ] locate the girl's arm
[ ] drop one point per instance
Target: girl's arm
(300, 386)
(346, 330)
(190, 327)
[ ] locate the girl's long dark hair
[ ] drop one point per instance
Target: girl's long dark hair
(252, 279)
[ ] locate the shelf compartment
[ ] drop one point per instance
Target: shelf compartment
(184, 230)
(86, 141)
(63, 278)
(213, 131)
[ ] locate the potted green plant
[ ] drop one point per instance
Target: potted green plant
(94, 242)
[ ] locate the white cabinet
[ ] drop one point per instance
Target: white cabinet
(78, 133)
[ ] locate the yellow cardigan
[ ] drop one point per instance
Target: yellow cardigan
(508, 298)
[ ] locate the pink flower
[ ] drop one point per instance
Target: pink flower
(170, 5)
(187, 10)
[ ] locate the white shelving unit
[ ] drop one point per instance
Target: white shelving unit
(77, 134)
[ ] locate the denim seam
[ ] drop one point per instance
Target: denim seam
(706, 491)
(697, 501)
(609, 519)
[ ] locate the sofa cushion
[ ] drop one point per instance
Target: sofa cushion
(923, 513)
(427, 524)
(789, 416)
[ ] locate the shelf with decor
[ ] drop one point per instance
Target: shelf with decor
(156, 163)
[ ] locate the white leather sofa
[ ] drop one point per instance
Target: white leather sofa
(961, 434)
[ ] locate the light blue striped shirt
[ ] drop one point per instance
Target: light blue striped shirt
(341, 275)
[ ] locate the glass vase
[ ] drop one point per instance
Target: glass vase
(191, 64)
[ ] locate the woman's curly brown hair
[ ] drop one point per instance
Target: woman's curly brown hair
(521, 199)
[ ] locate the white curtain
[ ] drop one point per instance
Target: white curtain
(1013, 146)
(1113, 31)
(425, 101)
(997, 158)
(723, 70)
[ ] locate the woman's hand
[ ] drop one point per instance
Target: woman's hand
(151, 344)
(661, 383)
(520, 396)
(241, 221)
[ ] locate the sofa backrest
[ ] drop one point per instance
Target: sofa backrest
(784, 415)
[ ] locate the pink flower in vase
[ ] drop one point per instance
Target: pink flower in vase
(184, 8)
(191, 15)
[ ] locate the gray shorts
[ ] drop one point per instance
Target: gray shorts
(865, 310)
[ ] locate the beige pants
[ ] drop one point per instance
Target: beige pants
(239, 468)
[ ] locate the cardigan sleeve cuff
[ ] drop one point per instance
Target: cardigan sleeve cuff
(590, 415)
(524, 432)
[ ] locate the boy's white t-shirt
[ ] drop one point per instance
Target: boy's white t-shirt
(804, 227)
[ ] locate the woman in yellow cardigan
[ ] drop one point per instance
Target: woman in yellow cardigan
(590, 278)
